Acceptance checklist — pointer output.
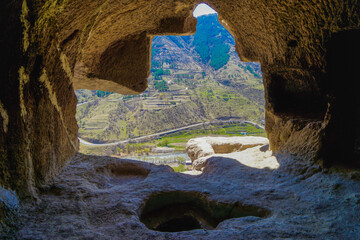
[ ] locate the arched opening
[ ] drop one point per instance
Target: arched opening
(198, 86)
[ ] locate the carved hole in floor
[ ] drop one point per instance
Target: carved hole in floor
(178, 211)
(123, 172)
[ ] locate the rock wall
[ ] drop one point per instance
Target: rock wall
(49, 48)
(38, 131)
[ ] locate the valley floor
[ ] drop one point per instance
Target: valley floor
(174, 138)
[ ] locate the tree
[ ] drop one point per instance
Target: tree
(118, 150)
(147, 151)
(161, 86)
(203, 74)
(163, 143)
(102, 93)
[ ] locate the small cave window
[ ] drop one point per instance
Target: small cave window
(198, 86)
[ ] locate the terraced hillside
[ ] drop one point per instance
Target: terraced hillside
(193, 79)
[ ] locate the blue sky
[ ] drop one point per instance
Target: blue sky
(203, 9)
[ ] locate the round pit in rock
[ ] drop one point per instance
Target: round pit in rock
(178, 211)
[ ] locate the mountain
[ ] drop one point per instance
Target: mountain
(193, 79)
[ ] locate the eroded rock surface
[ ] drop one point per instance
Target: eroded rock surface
(108, 198)
(201, 149)
(256, 157)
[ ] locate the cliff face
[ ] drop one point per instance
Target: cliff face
(51, 47)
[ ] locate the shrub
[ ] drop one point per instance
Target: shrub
(180, 168)
(163, 143)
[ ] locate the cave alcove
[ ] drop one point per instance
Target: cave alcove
(341, 135)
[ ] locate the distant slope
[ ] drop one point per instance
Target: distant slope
(193, 79)
(212, 41)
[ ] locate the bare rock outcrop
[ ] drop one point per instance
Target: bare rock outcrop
(200, 149)
(256, 157)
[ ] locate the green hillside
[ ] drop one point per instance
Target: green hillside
(193, 79)
(212, 41)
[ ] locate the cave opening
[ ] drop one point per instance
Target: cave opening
(52, 47)
(198, 86)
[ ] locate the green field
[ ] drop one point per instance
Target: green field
(179, 139)
(176, 140)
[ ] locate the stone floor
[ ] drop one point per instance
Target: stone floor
(109, 198)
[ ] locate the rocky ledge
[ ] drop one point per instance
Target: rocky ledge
(110, 198)
(238, 148)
